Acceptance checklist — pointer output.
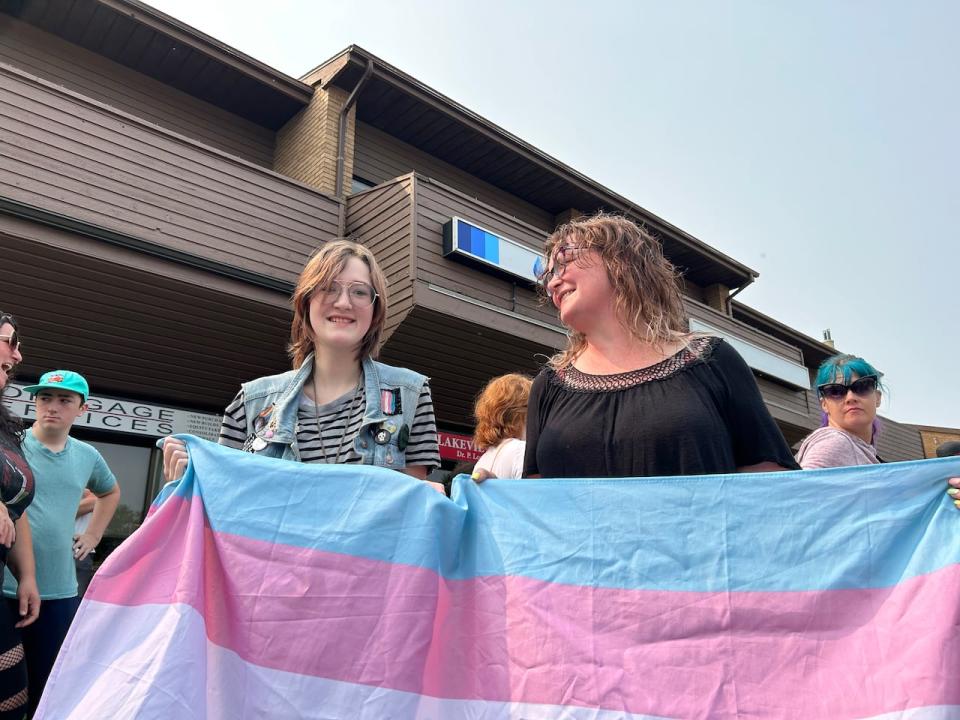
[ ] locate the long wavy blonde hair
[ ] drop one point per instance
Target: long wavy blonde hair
(321, 269)
(648, 299)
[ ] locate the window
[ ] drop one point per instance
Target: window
(358, 184)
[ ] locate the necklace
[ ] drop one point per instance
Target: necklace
(346, 424)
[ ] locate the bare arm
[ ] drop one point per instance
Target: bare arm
(416, 471)
(103, 509)
(420, 473)
(86, 502)
(21, 563)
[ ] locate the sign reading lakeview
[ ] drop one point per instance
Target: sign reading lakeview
(126, 416)
(466, 240)
(454, 446)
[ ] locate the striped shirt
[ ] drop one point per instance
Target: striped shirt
(339, 422)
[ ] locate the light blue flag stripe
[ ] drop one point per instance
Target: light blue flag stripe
(890, 523)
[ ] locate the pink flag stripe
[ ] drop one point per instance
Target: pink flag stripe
(824, 654)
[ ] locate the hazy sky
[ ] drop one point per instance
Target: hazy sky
(815, 142)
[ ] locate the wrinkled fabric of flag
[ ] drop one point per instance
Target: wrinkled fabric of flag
(259, 588)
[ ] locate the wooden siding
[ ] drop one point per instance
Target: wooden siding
(379, 157)
(788, 405)
(137, 333)
(435, 205)
(62, 63)
(382, 219)
(898, 441)
(459, 357)
(73, 156)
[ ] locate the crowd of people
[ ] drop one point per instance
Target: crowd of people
(634, 394)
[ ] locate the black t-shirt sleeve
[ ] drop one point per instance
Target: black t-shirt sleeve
(534, 424)
(753, 431)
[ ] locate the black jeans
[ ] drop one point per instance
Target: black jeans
(42, 641)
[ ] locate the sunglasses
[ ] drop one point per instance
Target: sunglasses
(838, 391)
(13, 340)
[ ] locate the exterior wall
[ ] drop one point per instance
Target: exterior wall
(69, 155)
(382, 219)
(459, 357)
(898, 441)
(379, 157)
(62, 63)
(435, 205)
(137, 326)
(306, 147)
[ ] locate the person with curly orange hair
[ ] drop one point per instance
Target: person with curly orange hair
(501, 413)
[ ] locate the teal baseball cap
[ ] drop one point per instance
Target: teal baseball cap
(61, 380)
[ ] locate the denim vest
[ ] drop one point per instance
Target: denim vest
(271, 404)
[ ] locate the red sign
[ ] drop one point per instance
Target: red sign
(454, 446)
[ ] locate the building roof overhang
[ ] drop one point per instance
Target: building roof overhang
(404, 107)
(146, 40)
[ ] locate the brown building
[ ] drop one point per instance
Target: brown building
(932, 437)
(160, 191)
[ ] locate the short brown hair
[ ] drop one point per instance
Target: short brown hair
(323, 266)
(501, 410)
(647, 298)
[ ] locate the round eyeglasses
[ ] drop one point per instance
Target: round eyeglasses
(359, 294)
(562, 257)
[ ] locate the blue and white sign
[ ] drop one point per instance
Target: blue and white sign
(466, 240)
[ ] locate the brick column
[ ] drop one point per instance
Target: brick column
(306, 148)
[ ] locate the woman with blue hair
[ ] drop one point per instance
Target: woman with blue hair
(849, 390)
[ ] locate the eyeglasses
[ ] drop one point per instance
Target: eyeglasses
(562, 257)
(13, 340)
(838, 391)
(360, 294)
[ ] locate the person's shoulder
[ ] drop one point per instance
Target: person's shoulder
(267, 385)
(716, 348)
(393, 375)
(514, 448)
(545, 375)
(84, 448)
(827, 436)
(826, 447)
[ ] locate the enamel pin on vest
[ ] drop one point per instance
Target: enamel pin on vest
(265, 418)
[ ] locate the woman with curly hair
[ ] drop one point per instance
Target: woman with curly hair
(16, 547)
(501, 414)
(634, 393)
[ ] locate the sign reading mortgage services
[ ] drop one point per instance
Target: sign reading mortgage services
(465, 240)
(125, 416)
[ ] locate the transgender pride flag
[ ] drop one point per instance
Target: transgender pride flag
(266, 589)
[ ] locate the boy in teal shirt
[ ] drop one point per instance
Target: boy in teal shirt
(62, 467)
